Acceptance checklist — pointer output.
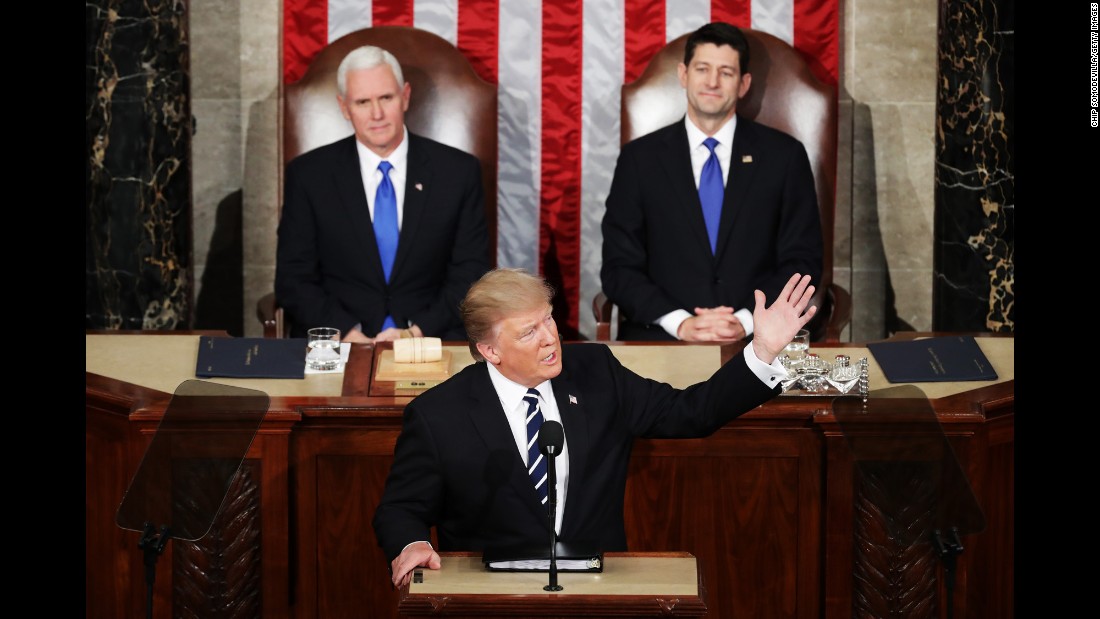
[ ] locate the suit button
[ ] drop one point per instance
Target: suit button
(717, 280)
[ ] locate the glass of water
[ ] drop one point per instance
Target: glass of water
(796, 349)
(324, 348)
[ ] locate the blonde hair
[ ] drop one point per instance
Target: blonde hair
(498, 294)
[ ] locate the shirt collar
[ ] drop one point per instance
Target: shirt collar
(724, 135)
(511, 393)
(397, 158)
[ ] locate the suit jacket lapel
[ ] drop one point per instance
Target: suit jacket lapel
(418, 179)
(571, 407)
(676, 159)
(348, 178)
(492, 426)
(741, 172)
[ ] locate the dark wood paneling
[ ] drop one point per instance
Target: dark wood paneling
(745, 502)
(107, 567)
(340, 473)
(992, 586)
(220, 575)
(239, 570)
(348, 489)
(782, 520)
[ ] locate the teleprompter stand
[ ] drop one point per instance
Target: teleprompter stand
(187, 469)
(912, 503)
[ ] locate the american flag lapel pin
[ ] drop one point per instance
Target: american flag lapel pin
(572, 399)
(746, 158)
(419, 187)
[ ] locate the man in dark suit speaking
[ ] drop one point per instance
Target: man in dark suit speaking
(704, 211)
(462, 462)
(381, 232)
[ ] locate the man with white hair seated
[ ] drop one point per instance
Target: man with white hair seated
(383, 231)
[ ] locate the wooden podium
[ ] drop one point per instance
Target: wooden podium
(632, 584)
(776, 505)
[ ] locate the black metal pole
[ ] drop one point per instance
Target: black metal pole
(153, 546)
(552, 495)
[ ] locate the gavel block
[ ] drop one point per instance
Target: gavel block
(414, 358)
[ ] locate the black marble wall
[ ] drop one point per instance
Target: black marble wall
(972, 260)
(138, 194)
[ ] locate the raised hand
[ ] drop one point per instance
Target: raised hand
(774, 327)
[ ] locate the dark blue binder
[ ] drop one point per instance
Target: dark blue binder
(933, 359)
(251, 357)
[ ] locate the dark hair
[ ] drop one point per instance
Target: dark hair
(719, 33)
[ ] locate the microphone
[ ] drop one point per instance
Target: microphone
(551, 441)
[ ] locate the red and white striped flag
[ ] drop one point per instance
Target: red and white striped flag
(558, 66)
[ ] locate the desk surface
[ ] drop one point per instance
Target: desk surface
(623, 574)
(162, 361)
(664, 584)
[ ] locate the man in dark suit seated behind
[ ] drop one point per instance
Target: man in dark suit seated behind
(382, 232)
(461, 460)
(689, 235)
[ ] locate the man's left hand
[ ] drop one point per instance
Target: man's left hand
(420, 554)
(777, 325)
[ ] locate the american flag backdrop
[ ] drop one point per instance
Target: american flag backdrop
(558, 66)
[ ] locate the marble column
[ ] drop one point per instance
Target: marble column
(973, 269)
(138, 264)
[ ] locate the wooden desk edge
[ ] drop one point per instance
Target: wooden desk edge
(556, 605)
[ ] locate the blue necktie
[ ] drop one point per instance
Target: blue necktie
(536, 462)
(711, 192)
(385, 225)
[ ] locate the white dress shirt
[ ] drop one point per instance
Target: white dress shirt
(372, 176)
(515, 409)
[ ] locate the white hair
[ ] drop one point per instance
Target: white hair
(366, 57)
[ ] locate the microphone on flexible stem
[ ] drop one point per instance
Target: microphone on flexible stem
(551, 440)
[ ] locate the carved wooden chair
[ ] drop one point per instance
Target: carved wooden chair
(449, 104)
(784, 95)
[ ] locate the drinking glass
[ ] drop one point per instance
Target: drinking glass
(324, 348)
(796, 349)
